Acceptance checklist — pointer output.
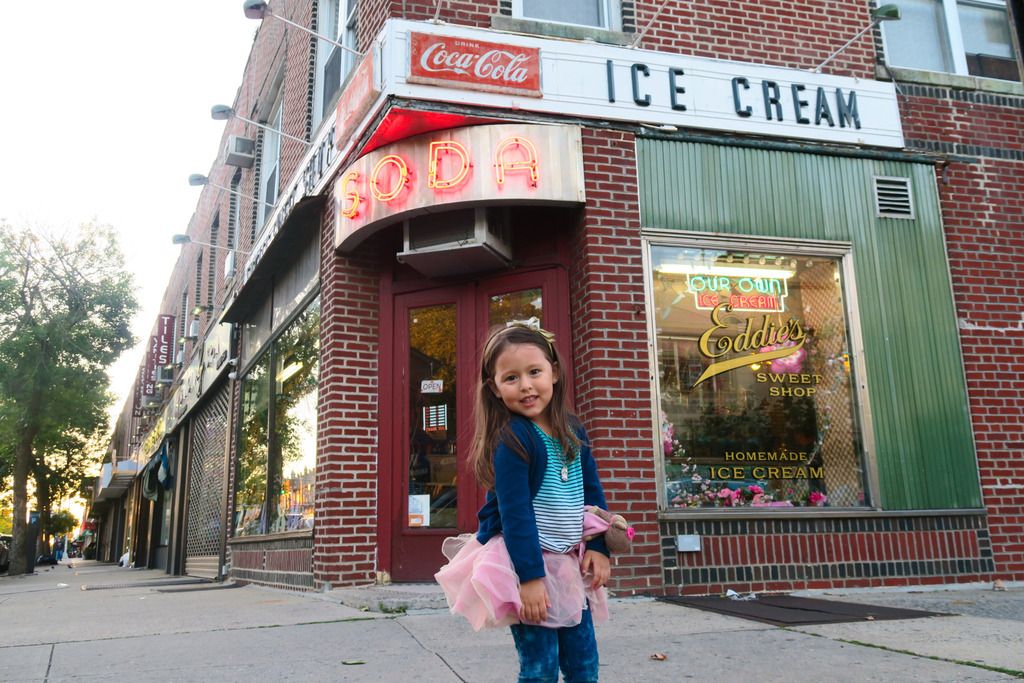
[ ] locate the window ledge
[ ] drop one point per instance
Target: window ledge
(501, 22)
(804, 512)
(935, 78)
(266, 538)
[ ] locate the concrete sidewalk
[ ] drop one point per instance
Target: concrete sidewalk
(130, 624)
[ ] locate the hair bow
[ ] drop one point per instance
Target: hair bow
(533, 323)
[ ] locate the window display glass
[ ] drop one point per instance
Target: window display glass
(296, 362)
(755, 380)
(276, 470)
(251, 477)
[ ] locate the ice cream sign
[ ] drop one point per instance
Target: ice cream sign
(744, 289)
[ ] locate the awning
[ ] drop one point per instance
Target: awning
(301, 224)
(115, 479)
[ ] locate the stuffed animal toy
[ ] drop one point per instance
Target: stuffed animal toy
(618, 535)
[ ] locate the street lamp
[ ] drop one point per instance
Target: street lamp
(187, 239)
(198, 180)
(222, 112)
(884, 13)
(257, 9)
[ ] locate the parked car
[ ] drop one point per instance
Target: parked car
(5, 552)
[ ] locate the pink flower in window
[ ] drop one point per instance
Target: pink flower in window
(794, 362)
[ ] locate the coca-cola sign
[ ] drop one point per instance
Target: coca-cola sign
(474, 64)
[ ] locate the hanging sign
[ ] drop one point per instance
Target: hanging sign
(432, 386)
(149, 373)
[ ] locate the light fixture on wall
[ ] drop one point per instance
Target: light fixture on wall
(222, 112)
(199, 310)
(731, 271)
(186, 239)
(198, 180)
(878, 15)
(193, 330)
(257, 9)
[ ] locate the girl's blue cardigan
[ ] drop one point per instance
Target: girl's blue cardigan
(509, 506)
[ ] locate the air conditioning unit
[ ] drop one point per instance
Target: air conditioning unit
(240, 152)
(458, 242)
(165, 375)
(193, 329)
(229, 264)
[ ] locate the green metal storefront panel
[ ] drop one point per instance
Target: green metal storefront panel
(924, 451)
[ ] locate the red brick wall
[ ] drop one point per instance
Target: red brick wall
(610, 346)
(461, 12)
(298, 51)
(775, 32)
(982, 210)
(372, 15)
(982, 201)
(345, 547)
(791, 553)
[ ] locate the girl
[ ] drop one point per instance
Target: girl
(527, 566)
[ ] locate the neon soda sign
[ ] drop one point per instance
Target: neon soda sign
(461, 167)
(391, 174)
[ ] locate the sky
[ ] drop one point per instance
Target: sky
(105, 112)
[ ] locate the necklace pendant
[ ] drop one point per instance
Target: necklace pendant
(565, 473)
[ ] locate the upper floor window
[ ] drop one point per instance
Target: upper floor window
(270, 163)
(966, 37)
(337, 21)
(603, 14)
(233, 216)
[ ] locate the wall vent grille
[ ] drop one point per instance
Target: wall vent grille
(893, 198)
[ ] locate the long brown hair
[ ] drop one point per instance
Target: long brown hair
(491, 416)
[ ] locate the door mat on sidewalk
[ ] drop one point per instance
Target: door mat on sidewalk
(790, 610)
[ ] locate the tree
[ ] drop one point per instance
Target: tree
(65, 307)
(61, 522)
(64, 456)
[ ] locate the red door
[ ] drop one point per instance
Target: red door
(438, 334)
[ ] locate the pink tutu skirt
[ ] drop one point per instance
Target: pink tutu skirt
(480, 584)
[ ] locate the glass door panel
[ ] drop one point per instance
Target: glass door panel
(521, 305)
(433, 400)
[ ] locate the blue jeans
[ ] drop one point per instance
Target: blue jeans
(542, 651)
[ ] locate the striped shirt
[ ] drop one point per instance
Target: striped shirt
(558, 505)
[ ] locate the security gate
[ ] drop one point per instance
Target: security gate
(206, 487)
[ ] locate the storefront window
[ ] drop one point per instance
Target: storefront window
(296, 360)
(251, 488)
(755, 380)
(277, 448)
